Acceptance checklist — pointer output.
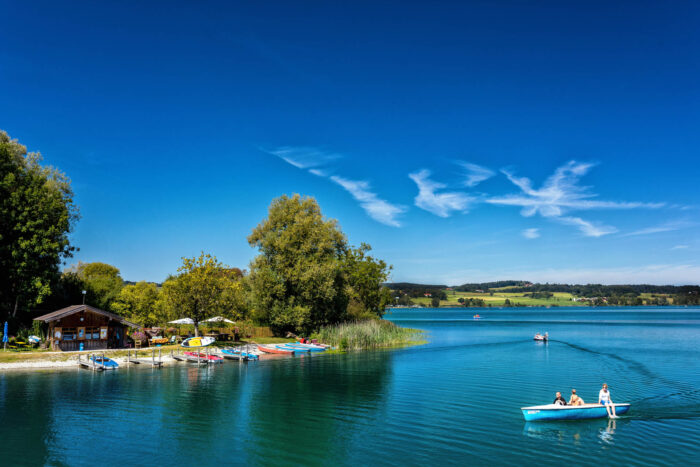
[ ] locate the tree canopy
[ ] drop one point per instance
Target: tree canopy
(204, 288)
(36, 216)
(306, 274)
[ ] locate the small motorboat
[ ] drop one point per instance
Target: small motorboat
(274, 349)
(34, 339)
(542, 337)
(239, 353)
(203, 356)
(477, 316)
(107, 363)
(569, 412)
(198, 342)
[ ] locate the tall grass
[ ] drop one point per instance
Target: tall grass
(368, 334)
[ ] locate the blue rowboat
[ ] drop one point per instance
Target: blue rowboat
(107, 363)
(569, 412)
(239, 353)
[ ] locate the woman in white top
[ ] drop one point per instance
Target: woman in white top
(604, 399)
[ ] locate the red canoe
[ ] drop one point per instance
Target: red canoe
(273, 350)
(204, 356)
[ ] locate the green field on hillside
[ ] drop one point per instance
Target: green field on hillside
(498, 298)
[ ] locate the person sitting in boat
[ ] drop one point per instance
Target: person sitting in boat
(575, 399)
(559, 400)
(604, 399)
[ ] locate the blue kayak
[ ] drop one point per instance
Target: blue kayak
(107, 363)
(239, 353)
(569, 412)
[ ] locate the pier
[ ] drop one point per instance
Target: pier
(155, 363)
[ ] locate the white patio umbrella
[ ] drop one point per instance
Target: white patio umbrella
(182, 321)
(218, 319)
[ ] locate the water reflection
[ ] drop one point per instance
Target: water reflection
(318, 408)
(572, 431)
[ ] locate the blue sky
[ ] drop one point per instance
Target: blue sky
(465, 141)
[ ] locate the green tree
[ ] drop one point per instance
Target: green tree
(365, 276)
(36, 216)
(204, 288)
(435, 302)
(139, 303)
(297, 281)
(102, 282)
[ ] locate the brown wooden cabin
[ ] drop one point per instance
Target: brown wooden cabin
(95, 328)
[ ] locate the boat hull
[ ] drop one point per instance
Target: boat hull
(568, 412)
(274, 350)
(239, 353)
(203, 356)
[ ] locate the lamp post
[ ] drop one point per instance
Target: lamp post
(84, 292)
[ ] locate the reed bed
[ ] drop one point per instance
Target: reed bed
(374, 333)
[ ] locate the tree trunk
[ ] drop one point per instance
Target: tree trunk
(196, 329)
(14, 312)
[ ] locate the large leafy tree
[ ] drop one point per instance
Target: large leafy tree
(297, 281)
(204, 288)
(139, 303)
(36, 216)
(366, 275)
(102, 283)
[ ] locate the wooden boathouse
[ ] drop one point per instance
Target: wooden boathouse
(96, 329)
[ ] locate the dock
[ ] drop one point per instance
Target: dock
(155, 363)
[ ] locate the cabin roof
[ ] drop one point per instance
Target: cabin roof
(58, 314)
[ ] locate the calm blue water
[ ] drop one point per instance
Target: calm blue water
(453, 401)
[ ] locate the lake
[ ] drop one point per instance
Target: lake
(452, 401)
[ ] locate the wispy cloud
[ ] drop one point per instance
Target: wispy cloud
(587, 228)
(314, 160)
(378, 209)
(475, 174)
(561, 193)
(440, 204)
(303, 157)
(531, 233)
(666, 227)
(680, 247)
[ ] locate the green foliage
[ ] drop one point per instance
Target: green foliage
(435, 302)
(140, 304)
(297, 281)
(367, 334)
(365, 276)
(204, 288)
(37, 213)
(101, 281)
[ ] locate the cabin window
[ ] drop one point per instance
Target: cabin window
(92, 333)
(69, 334)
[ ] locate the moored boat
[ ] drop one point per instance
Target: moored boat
(203, 356)
(266, 349)
(569, 412)
(107, 363)
(198, 342)
(239, 353)
(305, 347)
(542, 337)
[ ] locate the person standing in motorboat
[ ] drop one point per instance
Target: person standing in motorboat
(604, 399)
